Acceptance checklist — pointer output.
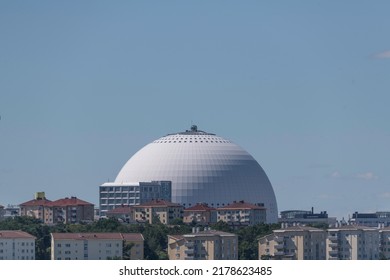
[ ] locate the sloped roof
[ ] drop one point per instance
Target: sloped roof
(13, 234)
(37, 202)
(72, 201)
(98, 235)
(157, 203)
(200, 207)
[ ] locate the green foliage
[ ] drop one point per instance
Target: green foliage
(222, 226)
(155, 235)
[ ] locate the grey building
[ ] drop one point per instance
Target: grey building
(113, 195)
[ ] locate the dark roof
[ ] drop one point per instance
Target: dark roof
(240, 205)
(157, 203)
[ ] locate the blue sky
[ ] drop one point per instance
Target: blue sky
(301, 85)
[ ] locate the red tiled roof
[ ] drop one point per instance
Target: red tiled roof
(157, 203)
(98, 235)
(36, 202)
(15, 234)
(200, 207)
(73, 201)
(240, 205)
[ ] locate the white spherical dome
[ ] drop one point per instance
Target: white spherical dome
(203, 167)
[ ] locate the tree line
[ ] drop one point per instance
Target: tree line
(155, 235)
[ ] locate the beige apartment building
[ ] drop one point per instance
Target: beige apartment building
(95, 246)
(204, 245)
(38, 208)
(66, 210)
(242, 213)
(352, 242)
(201, 213)
(296, 243)
(162, 210)
(16, 245)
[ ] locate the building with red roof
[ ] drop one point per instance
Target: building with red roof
(16, 245)
(96, 246)
(201, 213)
(241, 213)
(162, 210)
(66, 210)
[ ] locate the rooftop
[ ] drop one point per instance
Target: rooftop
(241, 205)
(72, 201)
(98, 235)
(14, 234)
(157, 203)
(200, 207)
(37, 202)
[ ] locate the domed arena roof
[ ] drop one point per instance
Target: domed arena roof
(203, 168)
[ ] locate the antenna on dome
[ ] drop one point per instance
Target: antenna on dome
(194, 128)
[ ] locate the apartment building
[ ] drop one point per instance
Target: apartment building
(352, 242)
(71, 210)
(158, 209)
(203, 245)
(96, 246)
(113, 195)
(384, 237)
(38, 208)
(201, 213)
(304, 217)
(295, 243)
(242, 213)
(16, 245)
(124, 213)
(380, 218)
(66, 210)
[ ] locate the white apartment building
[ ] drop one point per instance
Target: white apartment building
(352, 242)
(384, 234)
(16, 245)
(95, 246)
(296, 243)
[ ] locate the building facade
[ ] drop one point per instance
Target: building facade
(303, 217)
(295, 243)
(201, 214)
(96, 246)
(352, 242)
(242, 213)
(205, 245)
(158, 210)
(113, 195)
(377, 219)
(16, 245)
(71, 210)
(38, 208)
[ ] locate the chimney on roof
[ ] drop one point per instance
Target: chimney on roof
(312, 210)
(241, 201)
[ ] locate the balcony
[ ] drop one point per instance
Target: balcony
(332, 238)
(279, 246)
(189, 244)
(189, 251)
(189, 258)
(333, 252)
(279, 253)
(333, 244)
(333, 258)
